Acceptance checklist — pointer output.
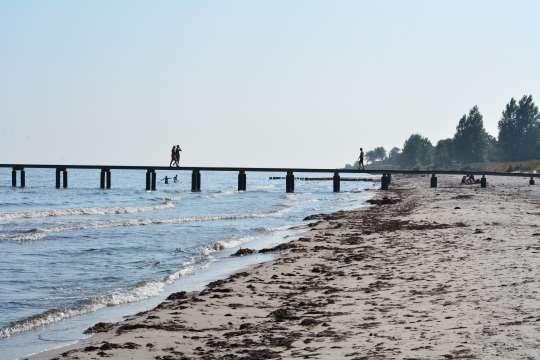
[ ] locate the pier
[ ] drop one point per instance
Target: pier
(105, 180)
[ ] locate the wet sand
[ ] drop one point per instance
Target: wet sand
(446, 273)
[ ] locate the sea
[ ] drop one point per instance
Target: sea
(72, 257)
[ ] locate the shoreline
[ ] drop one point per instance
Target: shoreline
(427, 273)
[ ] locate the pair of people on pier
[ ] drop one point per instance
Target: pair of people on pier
(175, 156)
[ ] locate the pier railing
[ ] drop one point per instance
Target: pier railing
(61, 172)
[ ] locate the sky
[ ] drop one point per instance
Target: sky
(253, 83)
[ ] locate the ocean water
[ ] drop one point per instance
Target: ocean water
(75, 256)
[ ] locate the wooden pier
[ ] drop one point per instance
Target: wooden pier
(106, 177)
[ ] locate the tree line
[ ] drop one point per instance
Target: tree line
(518, 139)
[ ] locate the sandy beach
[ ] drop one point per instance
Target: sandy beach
(446, 273)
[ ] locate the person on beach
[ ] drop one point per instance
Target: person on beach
(166, 179)
(177, 155)
(175, 178)
(173, 156)
(361, 160)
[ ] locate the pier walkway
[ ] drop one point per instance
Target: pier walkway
(61, 178)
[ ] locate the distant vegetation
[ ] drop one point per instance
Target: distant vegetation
(516, 148)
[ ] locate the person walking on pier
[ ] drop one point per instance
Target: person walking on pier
(173, 156)
(177, 155)
(361, 160)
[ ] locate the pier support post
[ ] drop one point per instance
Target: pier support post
(108, 179)
(337, 182)
(65, 178)
(102, 179)
(289, 182)
(531, 181)
(13, 178)
(23, 178)
(384, 182)
(483, 181)
(433, 181)
(389, 176)
(242, 180)
(196, 181)
(148, 180)
(58, 178)
(153, 178)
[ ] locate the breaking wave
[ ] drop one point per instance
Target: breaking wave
(84, 211)
(40, 233)
(139, 292)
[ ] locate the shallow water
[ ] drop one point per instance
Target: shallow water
(74, 256)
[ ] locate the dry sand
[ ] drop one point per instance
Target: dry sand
(446, 273)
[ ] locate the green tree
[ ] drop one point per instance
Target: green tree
(471, 139)
(377, 154)
(519, 130)
(492, 152)
(394, 154)
(417, 152)
(443, 153)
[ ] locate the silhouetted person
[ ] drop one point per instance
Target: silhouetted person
(361, 160)
(173, 156)
(175, 178)
(177, 155)
(166, 179)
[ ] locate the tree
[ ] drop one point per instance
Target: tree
(417, 152)
(519, 130)
(379, 153)
(471, 139)
(443, 153)
(394, 154)
(492, 152)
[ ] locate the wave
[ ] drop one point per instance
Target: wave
(40, 233)
(229, 243)
(85, 211)
(139, 292)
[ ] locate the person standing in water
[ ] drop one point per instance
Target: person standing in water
(361, 160)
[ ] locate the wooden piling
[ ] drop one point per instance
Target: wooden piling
(108, 179)
(64, 178)
(289, 182)
(148, 180)
(153, 178)
(195, 181)
(58, 178)
(242, 180)
(13, 178)
(102, 179)
(23, 178)
(336, 182)
(433, 182)
(384, 182)
(483, 181)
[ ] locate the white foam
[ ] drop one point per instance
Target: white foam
(84, 211)
(40, 233)
(238, 241)
(139, 292)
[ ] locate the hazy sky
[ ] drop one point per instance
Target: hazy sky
(270, 83)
